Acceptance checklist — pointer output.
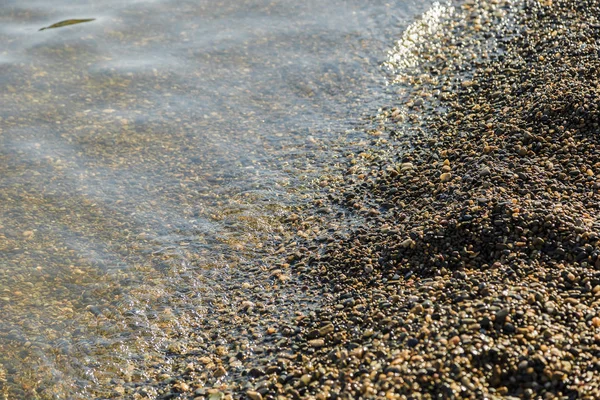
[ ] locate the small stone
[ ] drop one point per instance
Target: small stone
(523, 364)
(549, 307)
(455, 340)
(305, 379)
(316, 343)
(220, 372)
(326, 329)
(247, 304)
(256, 373)
(181, 386)
(501, 315)
(254, 395)
(205, 360)
(485, 323)
(485, 171)
(559, 376)
(408, 243)
(446, 176)
(418, 309)
(406, 166)
(273, 369)
(509, 328)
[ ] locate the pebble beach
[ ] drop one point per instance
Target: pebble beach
(447, 247)
(455, 245)
(473, 272)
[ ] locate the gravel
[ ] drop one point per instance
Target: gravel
(462, 258)
(453, 252)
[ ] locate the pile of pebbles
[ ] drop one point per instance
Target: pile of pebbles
(475, 270)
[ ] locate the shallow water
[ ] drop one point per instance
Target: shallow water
(146, 154)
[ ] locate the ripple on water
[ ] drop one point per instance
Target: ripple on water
(146, 161)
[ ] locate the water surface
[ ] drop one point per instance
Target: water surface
(151, 151)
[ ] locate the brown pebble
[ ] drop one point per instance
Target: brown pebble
(454, 340)
(220, 372)
(407, 243)
(254, 395)
(572, 301)
(326, 329)
(445, 177)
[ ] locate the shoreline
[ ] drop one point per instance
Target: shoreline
(474, 274)
(447, 247)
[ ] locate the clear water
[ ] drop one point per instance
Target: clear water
(147, 154)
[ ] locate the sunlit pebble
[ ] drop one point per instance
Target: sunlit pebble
(454, 341)
(253, 395)
(271, 330)
(445, 177)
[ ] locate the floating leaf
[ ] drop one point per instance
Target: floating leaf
(68, 22)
